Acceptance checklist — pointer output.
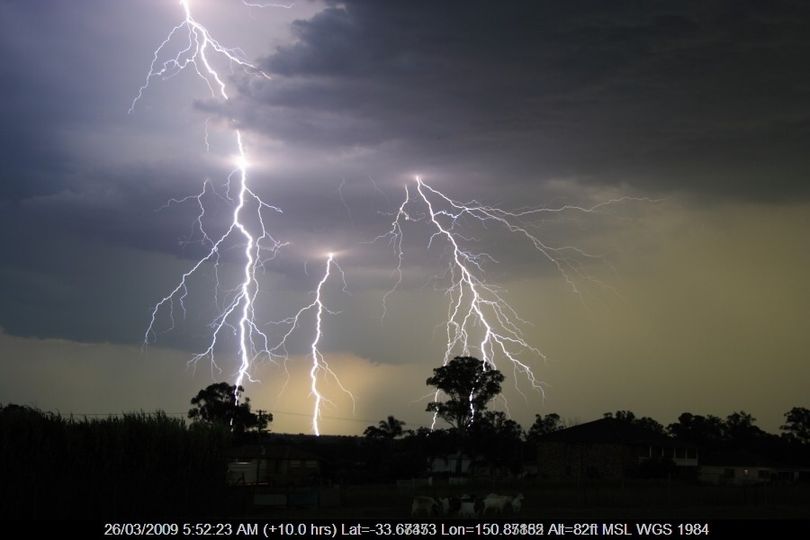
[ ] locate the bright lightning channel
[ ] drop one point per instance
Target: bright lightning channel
(319, 363)
(238, 312)
(476, 307)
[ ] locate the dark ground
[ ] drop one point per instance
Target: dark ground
(628, 500)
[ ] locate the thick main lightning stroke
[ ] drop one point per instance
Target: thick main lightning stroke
(237, 314)
(479, 319)
(319, 363)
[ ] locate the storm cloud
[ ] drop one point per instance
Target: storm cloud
(698, 110)
(706, 98)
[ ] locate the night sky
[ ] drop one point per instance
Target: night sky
(698, 113)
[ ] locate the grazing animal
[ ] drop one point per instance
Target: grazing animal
(495, 503)
(427, 506)
(453, 505)
(467, 507)
(444, 502)
(517, 503)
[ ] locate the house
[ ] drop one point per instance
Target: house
(609, 448)
(741, 467)
(272, 464)
(450, 464)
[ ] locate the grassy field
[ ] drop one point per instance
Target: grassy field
(629, 500)
(133, 466)
(152, 466)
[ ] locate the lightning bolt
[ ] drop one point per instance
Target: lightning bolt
(477, 307)
(394, 238)
(319, 363)
(237, 314)
(479, 320)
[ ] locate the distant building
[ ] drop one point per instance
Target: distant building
(272, 465)
(450, 464)
(741, 467)
(611, 449)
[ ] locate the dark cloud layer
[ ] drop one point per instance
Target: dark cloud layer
(532, 103)
(709, 98)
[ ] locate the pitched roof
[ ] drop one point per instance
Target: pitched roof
(608, 430)
(274, 451)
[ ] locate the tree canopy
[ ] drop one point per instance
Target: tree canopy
(543, 425)
(217, 404)
(390, 428)
(797, 424)
(629, 417)
(469, 385)
(698, 429)
(740, 427)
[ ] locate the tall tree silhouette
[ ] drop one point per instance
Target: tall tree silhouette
(469, 386)
(216, 404)
(797, 424)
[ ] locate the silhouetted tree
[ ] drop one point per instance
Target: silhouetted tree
(650, 424)
(646, 422)
(797, 424)
(698, 429)
(469, 385)
(390, 428)
(740, 427)
(217, 404)
(624, 416)
(498, 438)
(433, 442)
(496, 424)
(543, 425)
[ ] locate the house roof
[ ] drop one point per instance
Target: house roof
(608, 430)
(272, 451)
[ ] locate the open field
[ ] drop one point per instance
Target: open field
(628, 500)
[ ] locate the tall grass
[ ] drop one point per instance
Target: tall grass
(142, 465)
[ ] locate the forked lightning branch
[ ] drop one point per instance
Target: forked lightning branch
(479, 320)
